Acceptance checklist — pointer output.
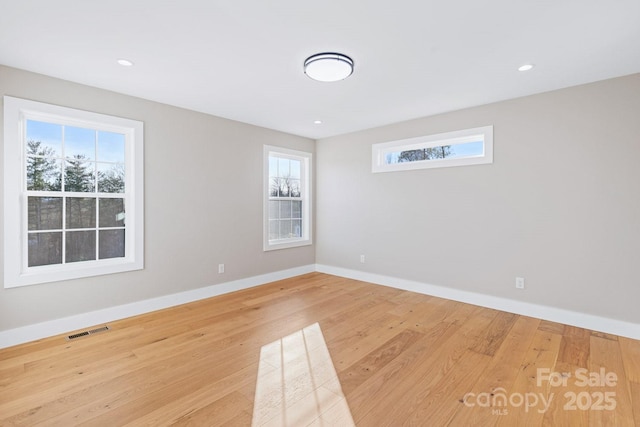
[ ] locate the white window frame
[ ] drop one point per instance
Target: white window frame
(305, 195)
(484, 134)
(16, 270)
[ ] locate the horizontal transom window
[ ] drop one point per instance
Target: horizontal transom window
(458, 148)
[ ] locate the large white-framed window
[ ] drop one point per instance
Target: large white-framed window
(287, 198)
(458, 148)
(73, 193)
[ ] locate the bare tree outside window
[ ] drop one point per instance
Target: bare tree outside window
(440, 152)
(285, 212)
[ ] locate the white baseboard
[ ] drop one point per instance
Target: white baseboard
(573, 318)
(80, 321)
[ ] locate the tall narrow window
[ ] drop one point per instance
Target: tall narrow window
(73, 193)
(287, 218)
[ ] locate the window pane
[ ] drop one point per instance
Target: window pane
(80, 246)
(274, 209)
(111, 212)
(273, 166)
(110, 177)
(79, 143)
(285, 229)
(111, 147)
(285, 209)
(47, 136)
(45, 249)
(295, 168)
(294, 185)
(81, 212)
(111, 244)
(45, 213)
(274, 229)
(468, 149)
(284, 187)
(79, 175)
(274, 187)
(412, 156)
(44, 173)
(283, 168)
(296, 228)
(296, 209)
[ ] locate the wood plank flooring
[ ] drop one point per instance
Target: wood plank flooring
(320, 350)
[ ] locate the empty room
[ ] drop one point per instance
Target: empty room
(353, 213)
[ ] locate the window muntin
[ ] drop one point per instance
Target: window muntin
(287, 203)
(459, 148)
(73, 200)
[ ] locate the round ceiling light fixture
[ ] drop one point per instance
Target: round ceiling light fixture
(328, 67)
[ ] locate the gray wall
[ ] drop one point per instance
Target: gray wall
(559, 206)
(203, 204)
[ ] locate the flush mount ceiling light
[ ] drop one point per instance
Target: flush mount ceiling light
(328, 67)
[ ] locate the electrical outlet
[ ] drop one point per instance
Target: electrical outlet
(519, 282)
(220, 268)
(362, 260)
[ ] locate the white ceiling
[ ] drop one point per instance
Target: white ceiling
(242, 59)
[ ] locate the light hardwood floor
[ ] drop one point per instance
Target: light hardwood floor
(322, 350)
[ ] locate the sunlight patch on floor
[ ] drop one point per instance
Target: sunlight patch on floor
(298, 385)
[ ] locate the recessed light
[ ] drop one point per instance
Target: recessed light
(317, 122)
(526, 67)
(328, 67)
(125, 62)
